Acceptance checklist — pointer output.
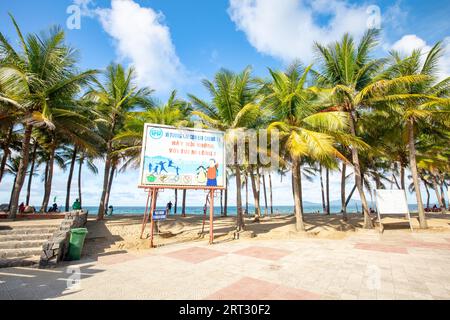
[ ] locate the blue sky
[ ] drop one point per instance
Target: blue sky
(175, 44)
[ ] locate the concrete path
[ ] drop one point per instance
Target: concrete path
(366, 265)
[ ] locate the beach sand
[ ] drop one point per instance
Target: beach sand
(122, 233)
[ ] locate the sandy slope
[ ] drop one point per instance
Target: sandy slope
(122, 232)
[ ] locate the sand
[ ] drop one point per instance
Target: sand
(122, 233)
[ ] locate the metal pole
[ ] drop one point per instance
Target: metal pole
(152, 224)
(144, 221)
(211, 217)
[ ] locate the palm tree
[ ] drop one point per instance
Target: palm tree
(306, 128)
(114, 96)
(419, 100)
(348, 69)
(45, 73)
(232, 109)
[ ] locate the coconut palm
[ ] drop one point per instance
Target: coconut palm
(348, 69)
(419, 104)
(45, 72)
(232, 109)
(306, 128)
(114, 96)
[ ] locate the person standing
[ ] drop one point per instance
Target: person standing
(76, 205)
(169, 208)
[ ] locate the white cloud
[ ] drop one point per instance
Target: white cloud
(288, 29)
(445, 60)
(142, 38)
(408, 43)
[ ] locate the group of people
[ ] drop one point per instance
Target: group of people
(53, 209)
(435, 208)
(26, 209)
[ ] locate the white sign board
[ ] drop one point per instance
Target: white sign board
(182, 157)
(391, 202)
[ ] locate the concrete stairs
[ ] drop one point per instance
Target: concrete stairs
(21, 245)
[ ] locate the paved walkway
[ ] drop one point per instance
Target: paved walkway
(395, 265)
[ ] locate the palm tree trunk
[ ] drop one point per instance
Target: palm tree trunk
(6, 152)
(300, 187)
(240, 223)
(221, 202)
(225, 205)
(358, 178)
(12, 190)
(240, 216)
(350, 196)
(402, 176)
(23, 165)
(270, 194)
(441, 186)
(255, 193)
(48, 182)
(183, 204)
(30, 177)
(246, 193)
(175, 207)
(327, 175)
(377, 181)
(299, 225)
(322, 189)
(292, 184)
(69, 179)
(108, 192)
(396, 182)
(266, 209)
(80, 166)
(436, 190)
(343, 204)
(415, 175)
(428, 193)
(102, 205)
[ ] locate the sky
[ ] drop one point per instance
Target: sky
(174, 44)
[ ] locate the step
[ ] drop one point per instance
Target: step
(27, 231)
(29, 226)
(20, 252)
(25, 237)
(21, 244)
(32, 261)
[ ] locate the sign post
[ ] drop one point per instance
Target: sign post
(181, 158)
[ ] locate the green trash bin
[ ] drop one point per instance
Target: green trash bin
(76, 243)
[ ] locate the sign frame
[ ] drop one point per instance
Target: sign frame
(152, 190)
(379, 213)
(181, 186)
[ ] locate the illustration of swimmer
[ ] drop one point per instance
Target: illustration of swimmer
(178, 170)
(156, 170)
(212, 173)
(162, 163)
(150, 167)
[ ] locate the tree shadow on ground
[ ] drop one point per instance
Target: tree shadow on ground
(41, 284)
(99, 240)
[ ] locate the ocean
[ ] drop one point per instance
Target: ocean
(198, 210)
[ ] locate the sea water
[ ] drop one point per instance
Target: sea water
(198, 210)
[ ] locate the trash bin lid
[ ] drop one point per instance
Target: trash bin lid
(79, 231)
